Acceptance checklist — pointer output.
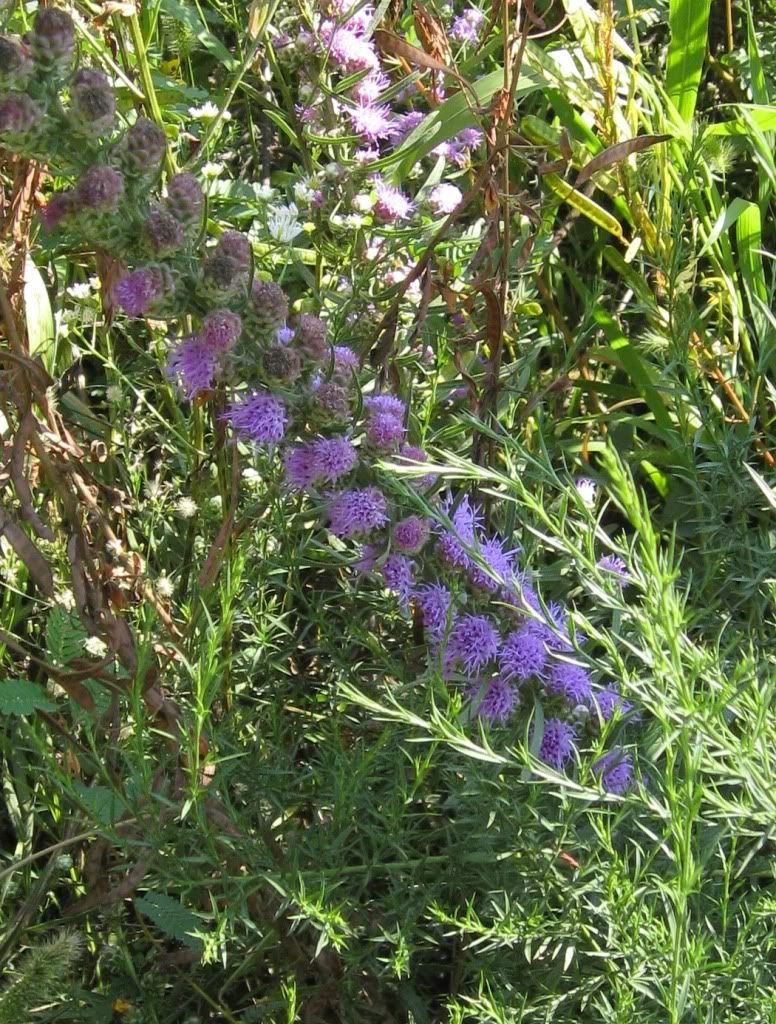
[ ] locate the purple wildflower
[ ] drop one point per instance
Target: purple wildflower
(571, 682)
(358, 510)
(444, 198)
(384, 431)
(100, 188)
(195, 364)
(367, 560)
(499, 561)
(371, 122)
(221, 329)
(163, 232)
(616, 768)
(399, 575)
(145, 144)
(473, 642)
(15, 62)
(185, 199)
(470, 137)
(411, 534)
(557, 744)
(608, 701)
(281, 362)
(270, 306)
(366, 156)
(235, 246)
(311, 337)
(466, 28)
(406, 123)
(260, 417)
(587, 491)
(59, 207)
(284, 335)
(332, 399)
(434, 601)
(388, 405)
(369, 89)
(92, 101)
(351, 51)
(466, 519)
(52, 39)
(138, 289)
(392, 204)
(524, 654)
(410, 453)
(346, 363)
(499, 702)
(616, 567)
(452, 151)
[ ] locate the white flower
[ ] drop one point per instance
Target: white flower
(282, 223)
(208, 112)
(587, 490)
(353, 221)
(80, 291)
(304, 190)
(363, 202)
(186, 507)
(165, 587)
(212, 170)
(114, 393)
(264, 192)
(96, 647)
(65, 600)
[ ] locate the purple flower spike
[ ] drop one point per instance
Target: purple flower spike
(616, 567)
(323, 461)
(466, 28)
(465, 520)
(235, 247)
(434, 601)
(571, 682)
(260, 417)
(358, 511)
(387, 405)
(499, 702)
(351, 51)
(557, 746)
(15, 62)
(221, 329)
(52, 40)
(473, 642)
(163, 233)
(399, 575)
(499, 561)
(369, 89)
(616, 768)
(444, 198)
(392, 205)
(523, 655)
(411, 534)
(194, 364)
(371, 122)
(92, 101)
(138, 289)
(100, 188)
(384, 431)
(608, 702)
(145, 144)
(185, 199)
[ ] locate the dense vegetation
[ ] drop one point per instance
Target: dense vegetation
(388, 486)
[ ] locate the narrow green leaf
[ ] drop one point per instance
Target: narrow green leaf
(762, 114)
(587, 207)
(750, 241)
(689, 25)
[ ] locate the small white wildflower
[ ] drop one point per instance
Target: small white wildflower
(336, 220)
(363, 202)
(165, 587)
(209, 111)
(82, 290)
(65, 600)
(186, 507)
(114, 394)
(212, 169)
(353, 221)
(152, 489)
(282, 223)
(96, 647)
(264, 192)
(251, 476)
(587, 491)
(304, 192)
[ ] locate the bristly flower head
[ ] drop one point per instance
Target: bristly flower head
(15, 62)
(608, 701)
(399, 575)
(557, 746)
(163, 233)
(144, 147)
(357, 511)
(523, 654)
(434, 601)
(616, 568)
(384, 431)
(137, 291)
(100, 188)
(499, 703)
(410, 453)
(473, 642)
(391, 204)
(616, 768)
(466, 520)
(221, 329)
(281, 362)
(387, 405)
(444, 198)
(587, 490)
(235, 247)
(371, 122)
(323, 461)
(19, 118)
(185, 199)
(260, 417)
(92, 101)
(350, 51)
(346, 363)
(311, 337)
(499, 561)
(59, 207)
(410, 534)
(52, 39)
(194, 364)
(571, 682)
(467, 27)
(269, 305)
(369, 89)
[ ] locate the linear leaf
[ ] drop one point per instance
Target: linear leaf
(689, 24)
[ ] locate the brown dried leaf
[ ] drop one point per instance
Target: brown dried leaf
(36, 564)
(614, 154)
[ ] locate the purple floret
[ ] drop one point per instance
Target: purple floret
(194, 364)
(100, 188)
(434, 601)
(557, 746)
(384, 431)
(501, 563)
(524, 654)
(221, 329)
(357, 511)
(466, 28)
(571, 682)
(138, 289)
(616, 567)
(372, 122)
(473, 642)
(388, 405)
(260, 417)
(444, 198)
(499, 702)
(391, 204)
(399, 575)
(616, 768)
(466, 520)
(609, 701)
(411, 534)
(185, 198)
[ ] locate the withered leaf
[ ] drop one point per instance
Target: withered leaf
(618, 152)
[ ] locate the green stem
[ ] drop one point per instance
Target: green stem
(146, 78)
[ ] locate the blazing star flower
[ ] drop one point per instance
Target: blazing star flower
(195, 364)
(386, 405)
(384, 431)
(366, 156)
(466, 520)
(346, 363)
(138, 289)
(332, 399)
(433, 601)
(281, 362)
(352, 52)
(356, 511)
(466, 28)
(367, 560)
(444, 198)
(284, 335)
(270, 306)
(100, 188)
(221, 329)
(473, 642)
(608, 701)
(616, 567)
(406, 123)
(52, 39)
(15, 63)
(144, 147)
(92, 101)
(571, 682)
(163, 233)
(185, 199)
(523, 654)
(499, 702)
(411, 534)
(616, 768)
(235, 247)
(371, 122)
(392, 204)
(399, 575)
(59, 207)
(557, 745)
(260, 417)
(370, 88)
(410, 453)
(470, 137)
(452, 151)
(499, 561)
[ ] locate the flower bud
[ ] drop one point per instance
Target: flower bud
(311, 337)
(185, 199)
(221, 329)
(234, 246)
(59, 207)
(332, 399)
(281, 363)
(100, 188)
(92, 102)
(162, 232)
(141, 290)
(52, 40)
(19, 118)
(269, 305)
(15, 62)
(144, 147)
